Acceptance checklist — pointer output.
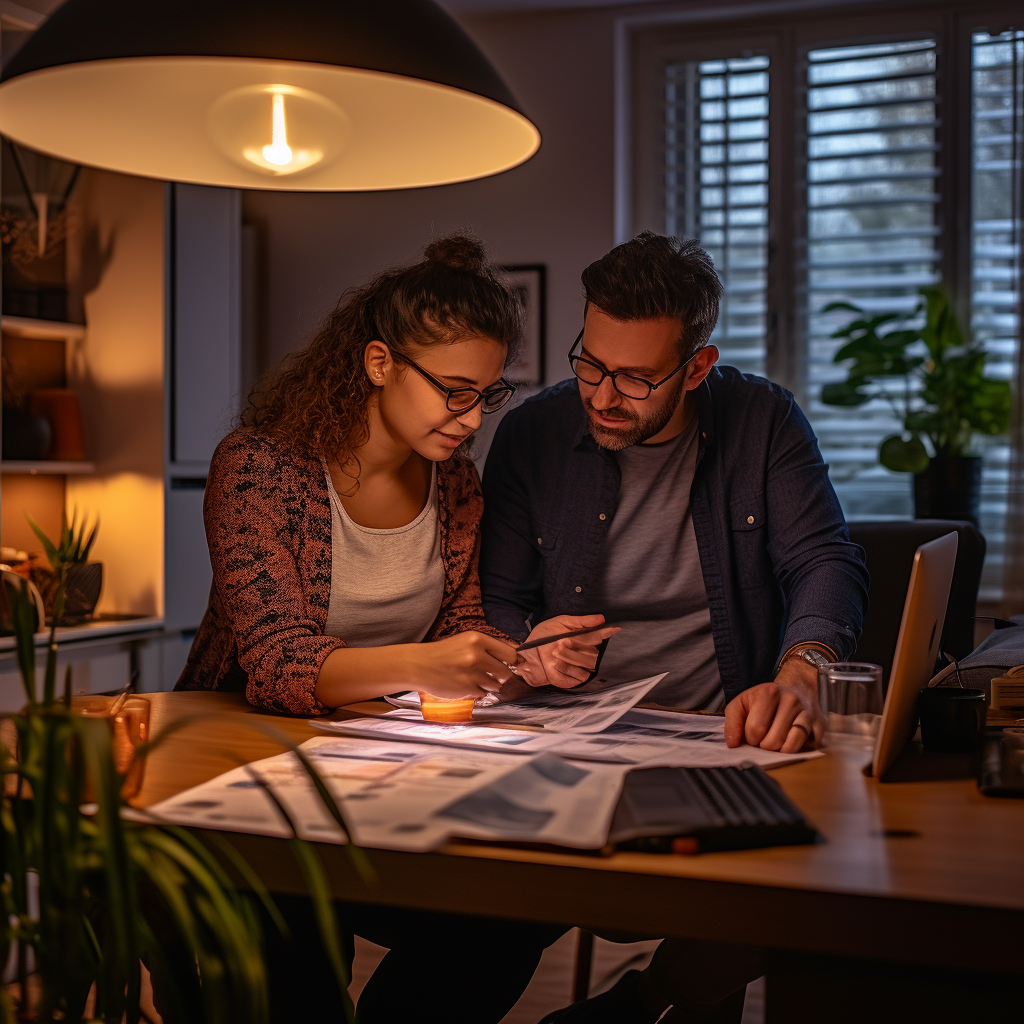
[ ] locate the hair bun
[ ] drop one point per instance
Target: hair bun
(457, 252)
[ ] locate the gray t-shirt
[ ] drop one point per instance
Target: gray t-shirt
(651, 582)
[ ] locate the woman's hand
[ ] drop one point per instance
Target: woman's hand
(564, 663)
(468, 664)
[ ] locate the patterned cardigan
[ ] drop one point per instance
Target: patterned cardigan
(268, 525)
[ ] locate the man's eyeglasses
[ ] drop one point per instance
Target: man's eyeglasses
(627, 384)
(462, 400)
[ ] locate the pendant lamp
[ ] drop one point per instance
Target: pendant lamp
(314, 95)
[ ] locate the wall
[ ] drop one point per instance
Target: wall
(117, 263)
(556, 209)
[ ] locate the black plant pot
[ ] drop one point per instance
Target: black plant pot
(81, 590)
(950, 488)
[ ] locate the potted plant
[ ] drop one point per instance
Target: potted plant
(87, 896)
(942, 397)
(70, 568)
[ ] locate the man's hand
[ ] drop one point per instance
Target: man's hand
(564, 663)
(784, 715)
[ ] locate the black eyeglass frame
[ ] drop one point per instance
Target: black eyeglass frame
(652, 386)
(481, 396)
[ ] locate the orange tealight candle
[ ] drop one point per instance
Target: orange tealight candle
(446, 709)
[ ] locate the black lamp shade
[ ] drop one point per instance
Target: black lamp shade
(310, 94)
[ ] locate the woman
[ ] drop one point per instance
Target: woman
(343, 524)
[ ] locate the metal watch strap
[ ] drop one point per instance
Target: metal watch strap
(812, 656)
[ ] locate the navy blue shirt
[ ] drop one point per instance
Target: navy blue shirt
(778, 564)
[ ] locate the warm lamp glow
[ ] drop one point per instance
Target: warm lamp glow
(305, 128)
(278, 152)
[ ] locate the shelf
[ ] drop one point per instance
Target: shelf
(46, 330)
(100, 629)
(48, 467)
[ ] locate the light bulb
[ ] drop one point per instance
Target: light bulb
(306, 129)
(278, 152)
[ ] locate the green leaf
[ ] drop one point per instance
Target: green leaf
(48, 547)
(841, 305)
(867, 345)
(86, 546)
(901, 339)
(903, 455)
(846, 393)
(24, 636)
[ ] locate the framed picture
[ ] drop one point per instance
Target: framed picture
(528, 281)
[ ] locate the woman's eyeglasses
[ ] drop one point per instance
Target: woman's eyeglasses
(627, 384)
(462, 400)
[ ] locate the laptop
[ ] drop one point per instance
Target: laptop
(917, 647)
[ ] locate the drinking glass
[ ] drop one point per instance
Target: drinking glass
(850, 693)
(129, 728)
(446, 709)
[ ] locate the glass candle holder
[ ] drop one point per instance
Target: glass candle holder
(129, 730)
(446, 709)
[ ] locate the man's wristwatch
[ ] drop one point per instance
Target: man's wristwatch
(812, 655)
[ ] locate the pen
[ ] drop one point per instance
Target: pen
(530, 644)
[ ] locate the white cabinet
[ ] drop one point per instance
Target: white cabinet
(204, 372)
(188, 573)
(205, 323)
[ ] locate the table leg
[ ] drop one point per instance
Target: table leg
(584, 964)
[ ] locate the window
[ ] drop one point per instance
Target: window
(871, 237)
(842, 161)
(716, 187)
(997, 140)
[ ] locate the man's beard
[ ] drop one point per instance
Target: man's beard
(636, 428)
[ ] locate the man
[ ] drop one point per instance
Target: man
(689, 504)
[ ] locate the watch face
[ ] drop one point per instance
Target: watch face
(816, 658)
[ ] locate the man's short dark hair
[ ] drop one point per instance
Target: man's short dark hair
(652, 276)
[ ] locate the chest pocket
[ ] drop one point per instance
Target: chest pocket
(748, 524)
(546, 540)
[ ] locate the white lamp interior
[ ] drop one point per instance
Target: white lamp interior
(212, 120)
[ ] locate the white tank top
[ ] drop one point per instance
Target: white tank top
(386, 585)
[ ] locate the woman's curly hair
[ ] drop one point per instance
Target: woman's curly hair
(318, 398)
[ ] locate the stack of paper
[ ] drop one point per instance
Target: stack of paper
(406, 784)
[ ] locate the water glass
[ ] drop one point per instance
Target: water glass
(851, 697)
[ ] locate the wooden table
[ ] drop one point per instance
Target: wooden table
(917, 888)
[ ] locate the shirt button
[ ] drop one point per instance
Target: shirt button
(540, 540)
(579, 590)
(750, 519)
(602, 517)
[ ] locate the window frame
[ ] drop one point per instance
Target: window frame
(645, 44)
(785, 38)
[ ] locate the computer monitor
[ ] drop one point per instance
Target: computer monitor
(917, 647)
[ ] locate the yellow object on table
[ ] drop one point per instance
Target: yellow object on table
(446, 709)
(129, 724)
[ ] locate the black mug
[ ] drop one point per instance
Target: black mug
(952, 718)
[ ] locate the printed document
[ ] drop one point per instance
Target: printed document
(402, 796)
(559, 710)
(639, 738)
